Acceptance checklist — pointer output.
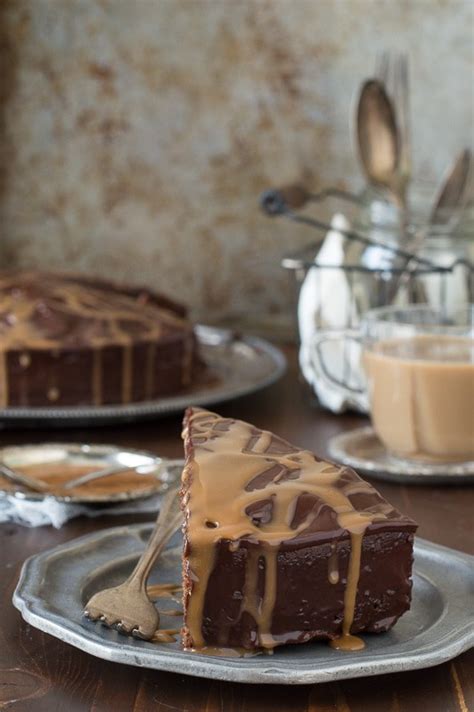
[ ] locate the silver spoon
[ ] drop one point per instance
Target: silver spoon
(109, 471)
(378, 140)
(392, 72)
(154, 467)
(20, 479)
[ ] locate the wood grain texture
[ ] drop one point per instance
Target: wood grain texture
(40, 674)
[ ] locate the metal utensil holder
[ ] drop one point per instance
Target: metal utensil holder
(288, 202)
(408, 281)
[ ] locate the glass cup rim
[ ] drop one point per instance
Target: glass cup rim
(384, 315)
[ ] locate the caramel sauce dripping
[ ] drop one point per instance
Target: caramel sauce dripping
(127, 377)
(228, 456)
(333, 568)
(165, 635)
(163, 590)
(97, 377)
(150, 371)
(107, 316)
(187, 363)
(229, 652)
(3, 380)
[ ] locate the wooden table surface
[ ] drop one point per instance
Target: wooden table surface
(39, 673)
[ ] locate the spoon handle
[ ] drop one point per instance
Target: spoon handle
(109, 471)
(21, 479)
(96, 475)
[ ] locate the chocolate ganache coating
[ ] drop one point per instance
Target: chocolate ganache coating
(282, 547)
(71, 340)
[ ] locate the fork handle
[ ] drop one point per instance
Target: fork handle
(167, 523)
(155, 546)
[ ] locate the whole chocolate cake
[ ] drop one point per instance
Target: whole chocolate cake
(69, 340)
(282, 547)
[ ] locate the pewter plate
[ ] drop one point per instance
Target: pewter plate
(239, 365)
(362, 450)
(54, 586)
(162, 474)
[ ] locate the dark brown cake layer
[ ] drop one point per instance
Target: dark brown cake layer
(308, 606)
(67, 340)
(283, 574)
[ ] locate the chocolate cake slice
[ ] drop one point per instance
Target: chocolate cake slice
(282, 547)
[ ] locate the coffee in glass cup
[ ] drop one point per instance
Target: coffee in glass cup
(419, 366)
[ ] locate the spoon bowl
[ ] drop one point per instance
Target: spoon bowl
(378, 139)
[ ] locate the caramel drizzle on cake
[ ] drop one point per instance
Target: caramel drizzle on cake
(83, 314)
(231, 468)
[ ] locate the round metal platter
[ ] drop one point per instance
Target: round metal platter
(55, 585)
(362, 450)
(239, 365)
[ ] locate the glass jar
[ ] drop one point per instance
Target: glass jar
(447, 242)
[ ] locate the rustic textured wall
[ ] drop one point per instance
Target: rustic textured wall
(136, 135)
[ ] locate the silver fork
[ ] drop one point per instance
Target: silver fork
(392, 70)
(127, 607)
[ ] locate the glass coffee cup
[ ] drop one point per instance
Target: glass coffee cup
(419, 369)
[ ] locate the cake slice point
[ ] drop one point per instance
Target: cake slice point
(281, 546)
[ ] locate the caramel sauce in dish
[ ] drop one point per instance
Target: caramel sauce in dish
(57, 474)
(57, 313)
(231, 464)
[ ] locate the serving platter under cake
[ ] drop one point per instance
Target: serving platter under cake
(55, 584)
(237, 366)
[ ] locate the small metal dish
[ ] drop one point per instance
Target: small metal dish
(56, 463)
(361, 449)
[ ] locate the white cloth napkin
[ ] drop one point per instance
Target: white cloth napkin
(50, 512)
(331, 299)
(325, 303)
